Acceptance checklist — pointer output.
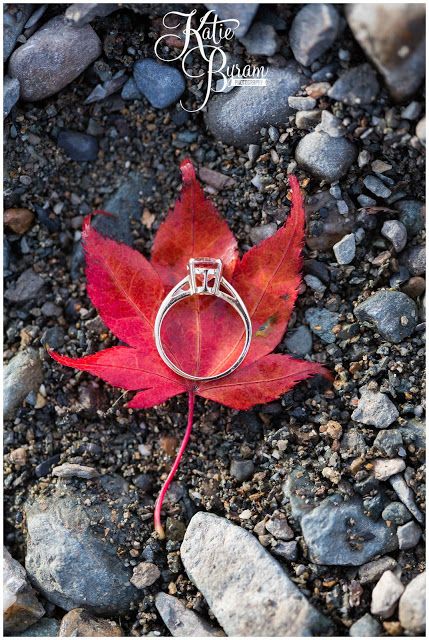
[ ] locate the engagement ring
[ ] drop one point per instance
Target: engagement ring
(204, 279)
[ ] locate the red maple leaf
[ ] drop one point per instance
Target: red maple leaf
(202, 335)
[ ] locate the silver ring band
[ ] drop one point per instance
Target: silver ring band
(204, 278)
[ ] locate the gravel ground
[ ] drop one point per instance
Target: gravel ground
(321, 455)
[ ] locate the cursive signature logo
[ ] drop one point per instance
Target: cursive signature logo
(204, 40)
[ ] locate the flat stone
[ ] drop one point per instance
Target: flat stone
(236, 117)
(392, 313)
(299, 342)
(377, 187)
(393, 37)
(21, 607)
(406, 495)
(78, 146)
(11, 92)
(27, 287)
(181, 621)
(14, 18)
(70, 563)
(412, 215)
(69, 470)
(80, 623)
(243, 12)
(322, 322)
(160, 83)
(144, 575)
(345, 249)
(44, 628)
(375, 409)
(325, 157)
(372, 571)
(71, 50)
(357, 86)
(396, 232)
(314, 30)
(261, 40)
(288, 550)
(22, 374)
(279, 527)
(130, 90)
(331, 529)
(82, 13)
(301, 103)
(245, 588)
(383, 469)
(365, 627)
(409, 535)
(386, 594)
(412, 605)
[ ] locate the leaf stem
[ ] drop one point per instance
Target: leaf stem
(158, 505)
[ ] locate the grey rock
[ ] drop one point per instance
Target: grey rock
(307, 119)
(406, 495)
(397, 513)
(345, 249)
(181, 621)
(14, 18)
(44, 628)
(301, 103)
(392, 313)
(366, 201)
(393, 37)
(299, 342)
(331, 125)
(372, 571)
(357, 86)
(261, 40)
(259, 234)
(78, 146)
(412, 215)
(10, 94)
(22, 375)
(375, 409)
(412, 605)
(415, 260)
(315, 284)
(314, 30)
(21, 607)
(27, 287)
(245, 588)
(409, 535)
(389, 442)
(325, 157)
(70, 50)
(322, 322)
(288, 550)
(352, 444)
(414, 432)
(236, 118)
(421, 130)
(108, 88)
(160, 83)
(396, 232)
(82, 13)
(279, 527)
(411, 111)
(383, 468)
(331, 529)
(377, 187)
(386, 594)
(130, 90)
(68, 561)
(365, 627)
(243, 12)
(242, 469)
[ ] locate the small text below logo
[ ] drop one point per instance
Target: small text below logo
(247, 82)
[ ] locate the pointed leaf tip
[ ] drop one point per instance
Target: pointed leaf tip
(188, 171)
(87, 220)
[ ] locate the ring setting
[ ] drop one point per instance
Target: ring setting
(204, 278)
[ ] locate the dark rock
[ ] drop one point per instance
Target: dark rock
(130, 90)
(14, 18)
(357, 86)
(21, 607)
(397, 513)
(396, 232)
(377, 187)
(180, 620)
(82, 13)
(261, 40)
(27, 287)
(393, 37)
(415, 260)
(314, 30)
(243, 12)
(242, 469)
(237, 117)
(325, 157)
(388, 441)
(160, 83)
(322, 322)
(78, 146)
(412, 215)
(53, 57)
(44, 468)
(392, 313)
(10, 94)
(44, 628)
(22, 375)
(299, 341)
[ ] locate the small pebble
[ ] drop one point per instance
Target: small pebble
(386, 594)
(396, 232)
(345, 249)
(409, 535)
(144, 575)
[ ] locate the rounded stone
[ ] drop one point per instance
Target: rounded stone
(412, 605)
(160, 83)
(325, 157)
(78, 146)
(53, 57)
(397, 513)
